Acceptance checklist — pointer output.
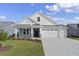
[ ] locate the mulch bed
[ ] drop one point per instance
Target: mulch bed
(5, 48)
(34, 40)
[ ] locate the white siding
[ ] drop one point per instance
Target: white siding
(43, 20)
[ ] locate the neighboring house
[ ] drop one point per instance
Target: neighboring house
(73, 30)
(39, 26)
(8, 27)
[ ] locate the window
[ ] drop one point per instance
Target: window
(24, 31)
(38, 19)
(27, 31)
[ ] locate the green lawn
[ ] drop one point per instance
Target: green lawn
(75, 38)
(23, 48)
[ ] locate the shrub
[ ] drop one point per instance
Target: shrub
(1, 44)
(3, 37)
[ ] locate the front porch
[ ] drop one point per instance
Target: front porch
(27, 31)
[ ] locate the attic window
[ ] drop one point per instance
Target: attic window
(38, 19)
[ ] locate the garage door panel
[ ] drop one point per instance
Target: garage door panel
(49, 34)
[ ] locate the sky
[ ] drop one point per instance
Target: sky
(63, 13)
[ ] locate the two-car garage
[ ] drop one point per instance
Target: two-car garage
(53, 32)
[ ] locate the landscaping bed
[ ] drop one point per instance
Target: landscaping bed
(5, 48)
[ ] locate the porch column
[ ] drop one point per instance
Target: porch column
(31, 32)
(15, 32)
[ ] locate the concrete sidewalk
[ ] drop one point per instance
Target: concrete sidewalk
(60, 47)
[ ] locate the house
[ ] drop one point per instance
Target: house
(39, 26)
(73, 29)
(8, 27)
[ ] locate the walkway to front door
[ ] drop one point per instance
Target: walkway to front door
(36, 32)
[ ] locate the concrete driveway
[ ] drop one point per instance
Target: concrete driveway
(60, 47)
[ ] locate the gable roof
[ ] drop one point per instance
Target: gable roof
(28, 18)
(43, 15)
(25, 19)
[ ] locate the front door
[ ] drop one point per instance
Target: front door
(36, 32)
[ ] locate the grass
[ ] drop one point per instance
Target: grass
(75, 38)
(23, 48)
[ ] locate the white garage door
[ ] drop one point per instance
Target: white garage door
(49, 33)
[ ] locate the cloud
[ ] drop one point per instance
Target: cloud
(60, 20)
(66, 7)
(75, 20)
(63, 7)
(69, 7)
(50, 13)
(64, 21)
(3, 18)
(52, 8)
